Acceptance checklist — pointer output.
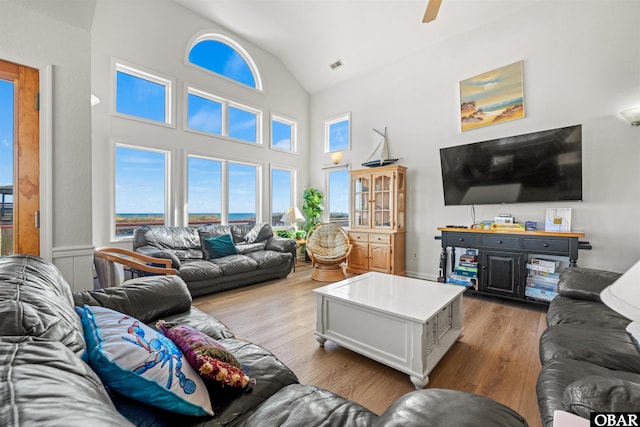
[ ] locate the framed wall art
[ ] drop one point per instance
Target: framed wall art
(492, 97)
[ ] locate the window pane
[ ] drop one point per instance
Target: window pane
(281, 135)
(204, 115)
(138, 97)
(242, 193)
(222, 59)
(281, 182)
(140, 189)
(339, 197)
(242, 124)
(205, 191)
(6, 166)
(339, 136)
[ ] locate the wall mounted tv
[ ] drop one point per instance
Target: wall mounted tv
(543, 166)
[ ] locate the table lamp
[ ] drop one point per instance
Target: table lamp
(291, 217)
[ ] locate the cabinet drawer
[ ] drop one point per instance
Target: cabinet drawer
(501, 242)
(547, 245)
(380, 238)
(462, 240)
(359, 237)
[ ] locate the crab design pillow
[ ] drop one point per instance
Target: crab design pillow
(141, 363)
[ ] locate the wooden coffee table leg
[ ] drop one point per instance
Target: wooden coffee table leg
(419, 383)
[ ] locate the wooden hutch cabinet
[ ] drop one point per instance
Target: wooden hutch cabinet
(377, 218)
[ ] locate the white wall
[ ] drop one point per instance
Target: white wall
(581, 65)
(30, 38)
(155, 35)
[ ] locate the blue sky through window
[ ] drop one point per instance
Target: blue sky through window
(281, 135)
(140, 181)
(222, 59)
(205, 186)
(243, 124)
(6, 134)
(204, 115)
(242, 190)
(339, 136)
(281, 182)
(339, 192)
(139, 97)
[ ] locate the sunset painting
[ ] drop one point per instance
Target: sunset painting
(492, 97)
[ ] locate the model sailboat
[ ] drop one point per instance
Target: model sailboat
(381, 147)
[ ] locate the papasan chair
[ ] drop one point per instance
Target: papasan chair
(328, 247)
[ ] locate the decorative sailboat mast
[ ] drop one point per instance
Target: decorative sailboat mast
(380, 144)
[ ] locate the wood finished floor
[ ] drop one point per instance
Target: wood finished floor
(497, 357)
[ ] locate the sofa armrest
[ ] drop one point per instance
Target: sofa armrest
(282, 244)
(154, 252)
(585, 283)
(439, 407)
(145, 298)
(601, 394)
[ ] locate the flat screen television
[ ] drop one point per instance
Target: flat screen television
(543, 166)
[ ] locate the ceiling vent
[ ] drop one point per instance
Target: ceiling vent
(336, 64)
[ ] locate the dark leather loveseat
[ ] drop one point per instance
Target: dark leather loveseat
(44, 381)
(260, 255)
(590, 363)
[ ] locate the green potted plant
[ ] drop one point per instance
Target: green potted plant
(312, 208)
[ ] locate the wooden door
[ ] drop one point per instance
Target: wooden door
(25, 182)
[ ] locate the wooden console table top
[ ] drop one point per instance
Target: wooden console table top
(507, 231)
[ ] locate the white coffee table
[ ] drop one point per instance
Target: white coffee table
(405, 323)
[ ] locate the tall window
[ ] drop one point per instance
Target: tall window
(283, 134)
(140, 191)
(282, 194)
(220, 191)
(142, 95)
(205, 191)
(337, 133)
(212, 114)
(7, 101)
(338, 196)
(224, 56)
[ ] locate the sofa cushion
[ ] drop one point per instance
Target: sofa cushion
(585, 283)
(266, 259)
(245, 248)
(235, 264)
(35, 300)
(601, 394)
(220, 246)
(142, 363)
(610, 348)
(206, 355)
(44, 383)
(207, 231)
(258, 233)
(569, 310)
(184, 242)
(196, 270)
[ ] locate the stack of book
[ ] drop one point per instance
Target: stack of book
(466, 272)
(542, 280)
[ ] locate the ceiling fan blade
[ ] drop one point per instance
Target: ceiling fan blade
(432, 10)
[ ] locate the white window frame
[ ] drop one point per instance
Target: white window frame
(224, 182)
(229, 41)
(169, 84)
(293, 189)
(226, 103)
(327, 124)
(168, 217)
(327, 199)
(294, 132)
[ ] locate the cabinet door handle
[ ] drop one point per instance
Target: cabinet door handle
(545, 245)
(460, 239)
(499, 242)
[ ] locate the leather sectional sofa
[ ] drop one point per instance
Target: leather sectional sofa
(590, 363)
(44, 380)
(260, 255)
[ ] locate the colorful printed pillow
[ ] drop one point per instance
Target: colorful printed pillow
(141, 363)
(207, 355)
(220, 246)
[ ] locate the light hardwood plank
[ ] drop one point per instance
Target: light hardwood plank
(497, 357)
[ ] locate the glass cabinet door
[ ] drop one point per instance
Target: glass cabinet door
(361, 191)
(400, 203)
(382, 200)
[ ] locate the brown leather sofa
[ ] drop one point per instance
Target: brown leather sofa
(45, 382)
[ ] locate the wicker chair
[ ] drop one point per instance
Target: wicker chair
(328, 247)
(110, 262)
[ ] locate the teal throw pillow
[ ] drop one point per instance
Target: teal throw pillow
(220, 246)
(141, 363)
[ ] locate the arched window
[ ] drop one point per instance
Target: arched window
(224, 56)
